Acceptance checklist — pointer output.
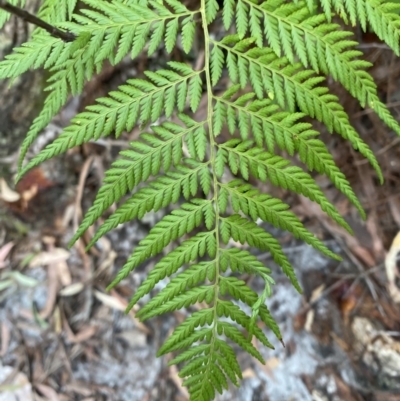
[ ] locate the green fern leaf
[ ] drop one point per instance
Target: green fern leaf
(146, 158)
(263, 74)
(256, 205)
(264, 166)
(173, 226)
(188, 251)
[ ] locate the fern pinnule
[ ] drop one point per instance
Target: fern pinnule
(268, 127)
(188, 278)
(59, 11)
(175, 225)
(291, 85)
(137, 100)
(253, 203)
(148, 155)
(160, 193)
(244, 158)
(245, 231)
(242, 261)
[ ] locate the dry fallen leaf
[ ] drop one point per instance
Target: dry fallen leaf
(47, 391)
(5, 338)
(108, 300)
(248, 374)
(310, 314)
(7, 194)
(71, 290)
(63, 273)
(174, 376)
(4, 251)
(47, 257)
(391, 268)
(52, 289)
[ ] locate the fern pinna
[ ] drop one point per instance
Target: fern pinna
(275, 56)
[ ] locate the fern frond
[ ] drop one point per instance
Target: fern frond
(291, 86)
(33, 54)
(186, 299)
(382, 16)
(245, 231)
(186, 334)
(115, 26)
(129, 27)
(341, 61)
(189, 278)
(189, 250)
(384, 19)
(270, 126)
(179, 222)
(291, 30)
(138, 100)
(42, 49)
(69, 78)
(275, 56)
(251, 202)
(147, 156)
(240, 291)
(160, 193)
(230, 310)
(244, 158)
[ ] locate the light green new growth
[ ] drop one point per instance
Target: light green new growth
(264, 70)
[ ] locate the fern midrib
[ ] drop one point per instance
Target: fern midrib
(215, 180)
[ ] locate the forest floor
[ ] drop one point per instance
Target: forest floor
(62, 337)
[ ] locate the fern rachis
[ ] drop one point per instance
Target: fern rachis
(275, 54)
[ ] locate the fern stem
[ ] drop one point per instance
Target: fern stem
(214, 174)
(32, 19)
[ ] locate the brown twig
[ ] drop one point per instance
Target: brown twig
(32, 19)
(359, 266)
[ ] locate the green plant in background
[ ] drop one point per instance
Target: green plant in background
(275, 56)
